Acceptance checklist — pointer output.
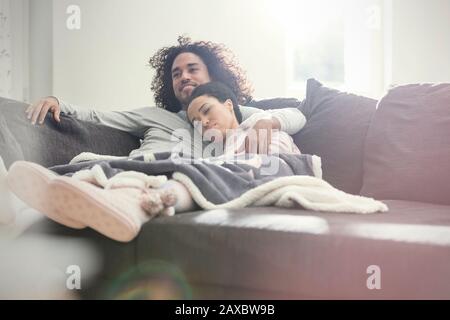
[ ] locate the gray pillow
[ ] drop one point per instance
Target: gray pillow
(335, 130)
(407, 149)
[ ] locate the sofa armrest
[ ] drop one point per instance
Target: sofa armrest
(55, 143)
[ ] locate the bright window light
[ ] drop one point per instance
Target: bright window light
(338, 42)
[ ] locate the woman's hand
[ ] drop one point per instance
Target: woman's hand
(38, 110)
(260, 139)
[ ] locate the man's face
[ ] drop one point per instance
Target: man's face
(188, 72)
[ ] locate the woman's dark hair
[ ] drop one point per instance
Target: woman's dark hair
(219, 91)
(218, 59)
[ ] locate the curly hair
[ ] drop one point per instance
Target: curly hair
(218, 59)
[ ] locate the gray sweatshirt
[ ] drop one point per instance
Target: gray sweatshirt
(156, 126)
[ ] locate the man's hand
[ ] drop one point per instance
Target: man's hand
(38, 110)
(259, 141)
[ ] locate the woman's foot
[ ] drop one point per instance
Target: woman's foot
(115, 213)
(30, 181)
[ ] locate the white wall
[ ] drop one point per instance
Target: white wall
(108, 56)
(104, 64)
(40, 48)
(14, 49)
(420, 41)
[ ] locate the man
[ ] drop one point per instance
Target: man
(179, 69)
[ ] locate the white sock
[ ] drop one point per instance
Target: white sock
(184, 198)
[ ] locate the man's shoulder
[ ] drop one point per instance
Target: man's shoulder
(182, 114)
(150, 110)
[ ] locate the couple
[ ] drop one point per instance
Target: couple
(204, 68)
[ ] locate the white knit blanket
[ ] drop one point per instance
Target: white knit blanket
(308, 192)
(89, 156)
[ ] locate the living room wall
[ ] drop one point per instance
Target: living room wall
(87, 67)
(420, 41)
(41, 48)
(108, 55)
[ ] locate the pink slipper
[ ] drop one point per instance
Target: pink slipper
(115, 213)
(29, 181)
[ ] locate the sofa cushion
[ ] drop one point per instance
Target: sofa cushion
(407, 148)
(301, 253)
(273, 253)
(335, 130)
(57, 143)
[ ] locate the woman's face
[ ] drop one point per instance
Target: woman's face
(208, 113)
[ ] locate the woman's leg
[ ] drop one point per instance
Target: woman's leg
(117, 213)
(30, 183)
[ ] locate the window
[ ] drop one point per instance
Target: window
(339, 43)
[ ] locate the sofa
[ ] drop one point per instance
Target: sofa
(395, 150)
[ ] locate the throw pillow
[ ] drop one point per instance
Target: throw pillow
(335, 130)
(407, 149)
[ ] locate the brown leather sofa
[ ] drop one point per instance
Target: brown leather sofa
(395, 150)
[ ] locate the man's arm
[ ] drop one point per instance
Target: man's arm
(290, 120)
(37, 112)
(129, 121)
(136, 121)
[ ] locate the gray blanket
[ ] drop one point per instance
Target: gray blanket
(285, 180)
(218, 180)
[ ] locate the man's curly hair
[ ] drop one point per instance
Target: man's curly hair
(218, 59)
